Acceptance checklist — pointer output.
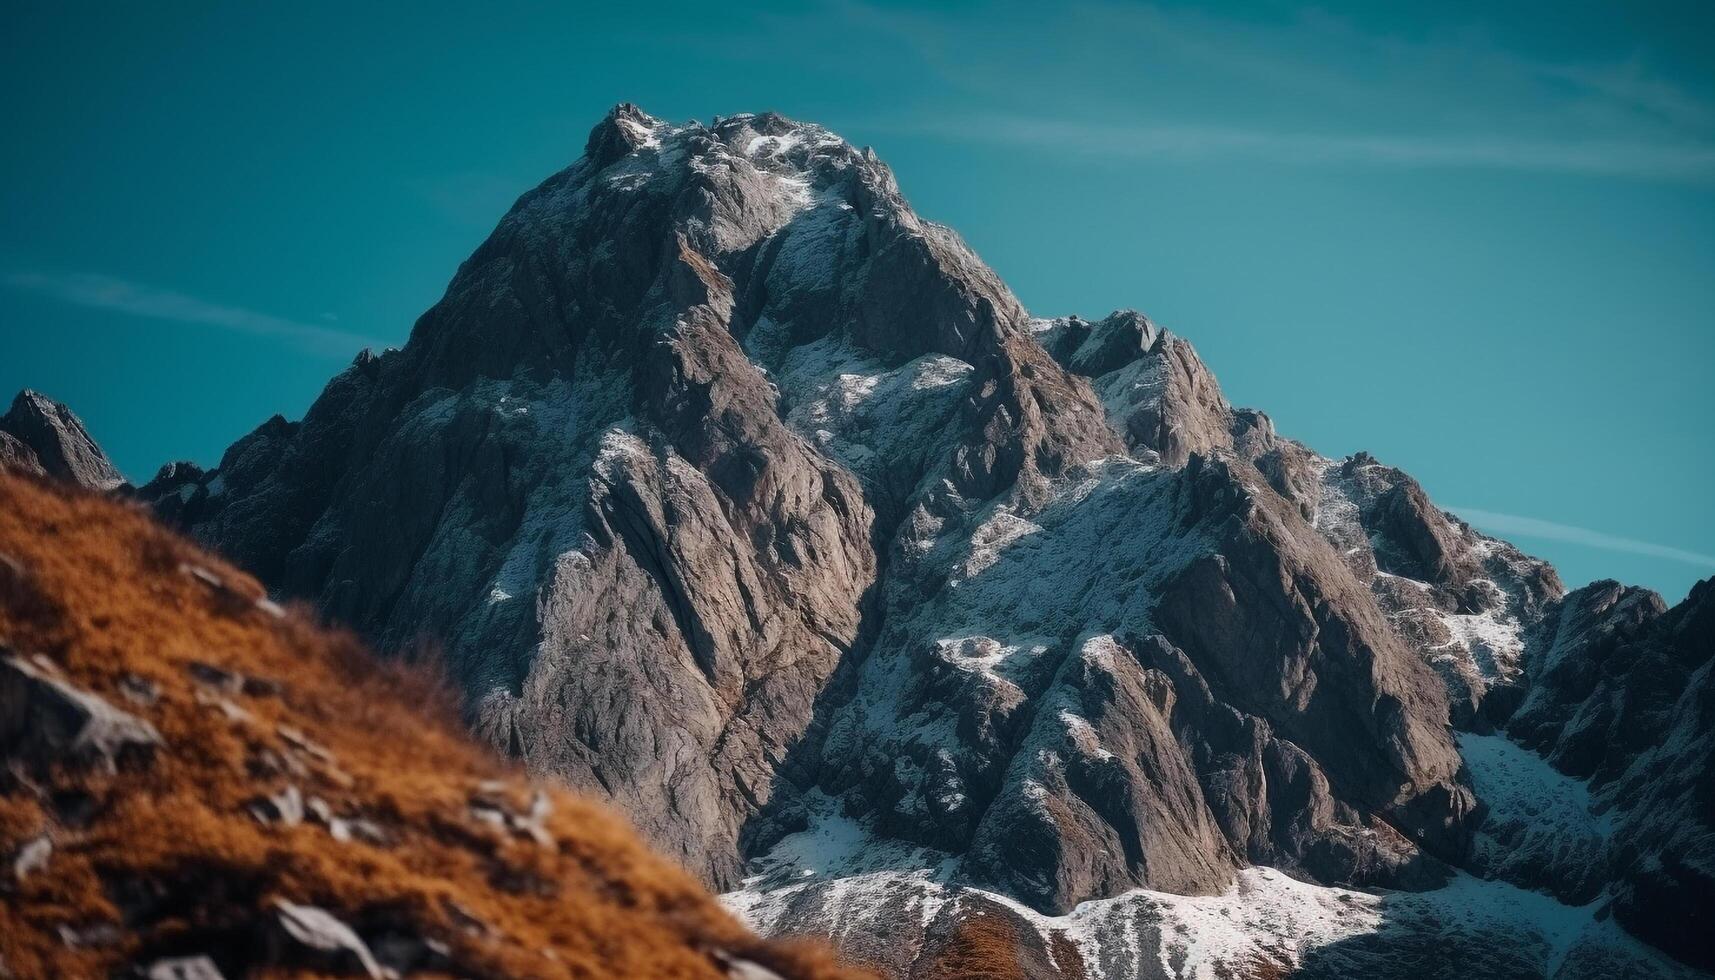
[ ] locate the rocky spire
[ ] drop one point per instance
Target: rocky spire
(40, 435)
(624, 129)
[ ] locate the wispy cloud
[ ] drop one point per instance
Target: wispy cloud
(1138, 80)
(1690, 162)
(1531, 527)
(148, 302)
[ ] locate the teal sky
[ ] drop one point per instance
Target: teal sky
(1477, 242)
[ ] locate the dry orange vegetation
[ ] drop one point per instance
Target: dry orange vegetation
(979, 947)
(987, 946)
(168, 852)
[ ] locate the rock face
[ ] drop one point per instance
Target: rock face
(41, 436)
(1462, 600)
(1623, 698)
(736, 491)
(1155, 389)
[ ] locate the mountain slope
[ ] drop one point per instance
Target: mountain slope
(745, 496)
(191, 772)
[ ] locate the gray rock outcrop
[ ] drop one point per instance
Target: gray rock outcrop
(45, 721)
(41, 436)
(1623, 700)
(305, 937)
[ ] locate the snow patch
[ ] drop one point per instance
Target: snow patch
(1003, 527)
(773, 146)
(1492, 640)
(1538, 816)
(645, 136)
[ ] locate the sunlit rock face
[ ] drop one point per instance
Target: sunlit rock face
(42, 437)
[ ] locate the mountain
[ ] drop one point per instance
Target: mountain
(198, 783)
(41, 436)
(742, 495)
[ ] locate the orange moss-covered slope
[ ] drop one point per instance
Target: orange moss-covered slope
(292, 772)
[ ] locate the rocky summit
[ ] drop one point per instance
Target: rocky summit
(981, 643)
(41, 436)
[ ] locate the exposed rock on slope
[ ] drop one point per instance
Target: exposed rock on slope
(741, 493)
(41, 436)
(1462, 600)
(1623, 698)
(197, 784)
(1155, 389)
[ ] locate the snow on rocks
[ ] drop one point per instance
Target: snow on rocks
(836, 878)
(874, 419)
(960, 658)
(1541, 825)
(1263, 917)
(1462, 600)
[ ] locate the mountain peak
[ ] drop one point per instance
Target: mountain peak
(43, 436)
(624, 129)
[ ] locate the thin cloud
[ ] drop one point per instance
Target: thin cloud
(1684, 162)
(1531, 527)
(102, 292)
(1308, 90)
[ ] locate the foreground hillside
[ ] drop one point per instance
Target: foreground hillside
(197, 780)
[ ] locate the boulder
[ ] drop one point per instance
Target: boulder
(182, 968)
(45, 721)
(304, 937)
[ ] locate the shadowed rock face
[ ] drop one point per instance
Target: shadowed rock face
(41, 436)
(735, 490)
(1623, 696)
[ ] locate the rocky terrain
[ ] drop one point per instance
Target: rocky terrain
(197, 783)
(745, 497)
